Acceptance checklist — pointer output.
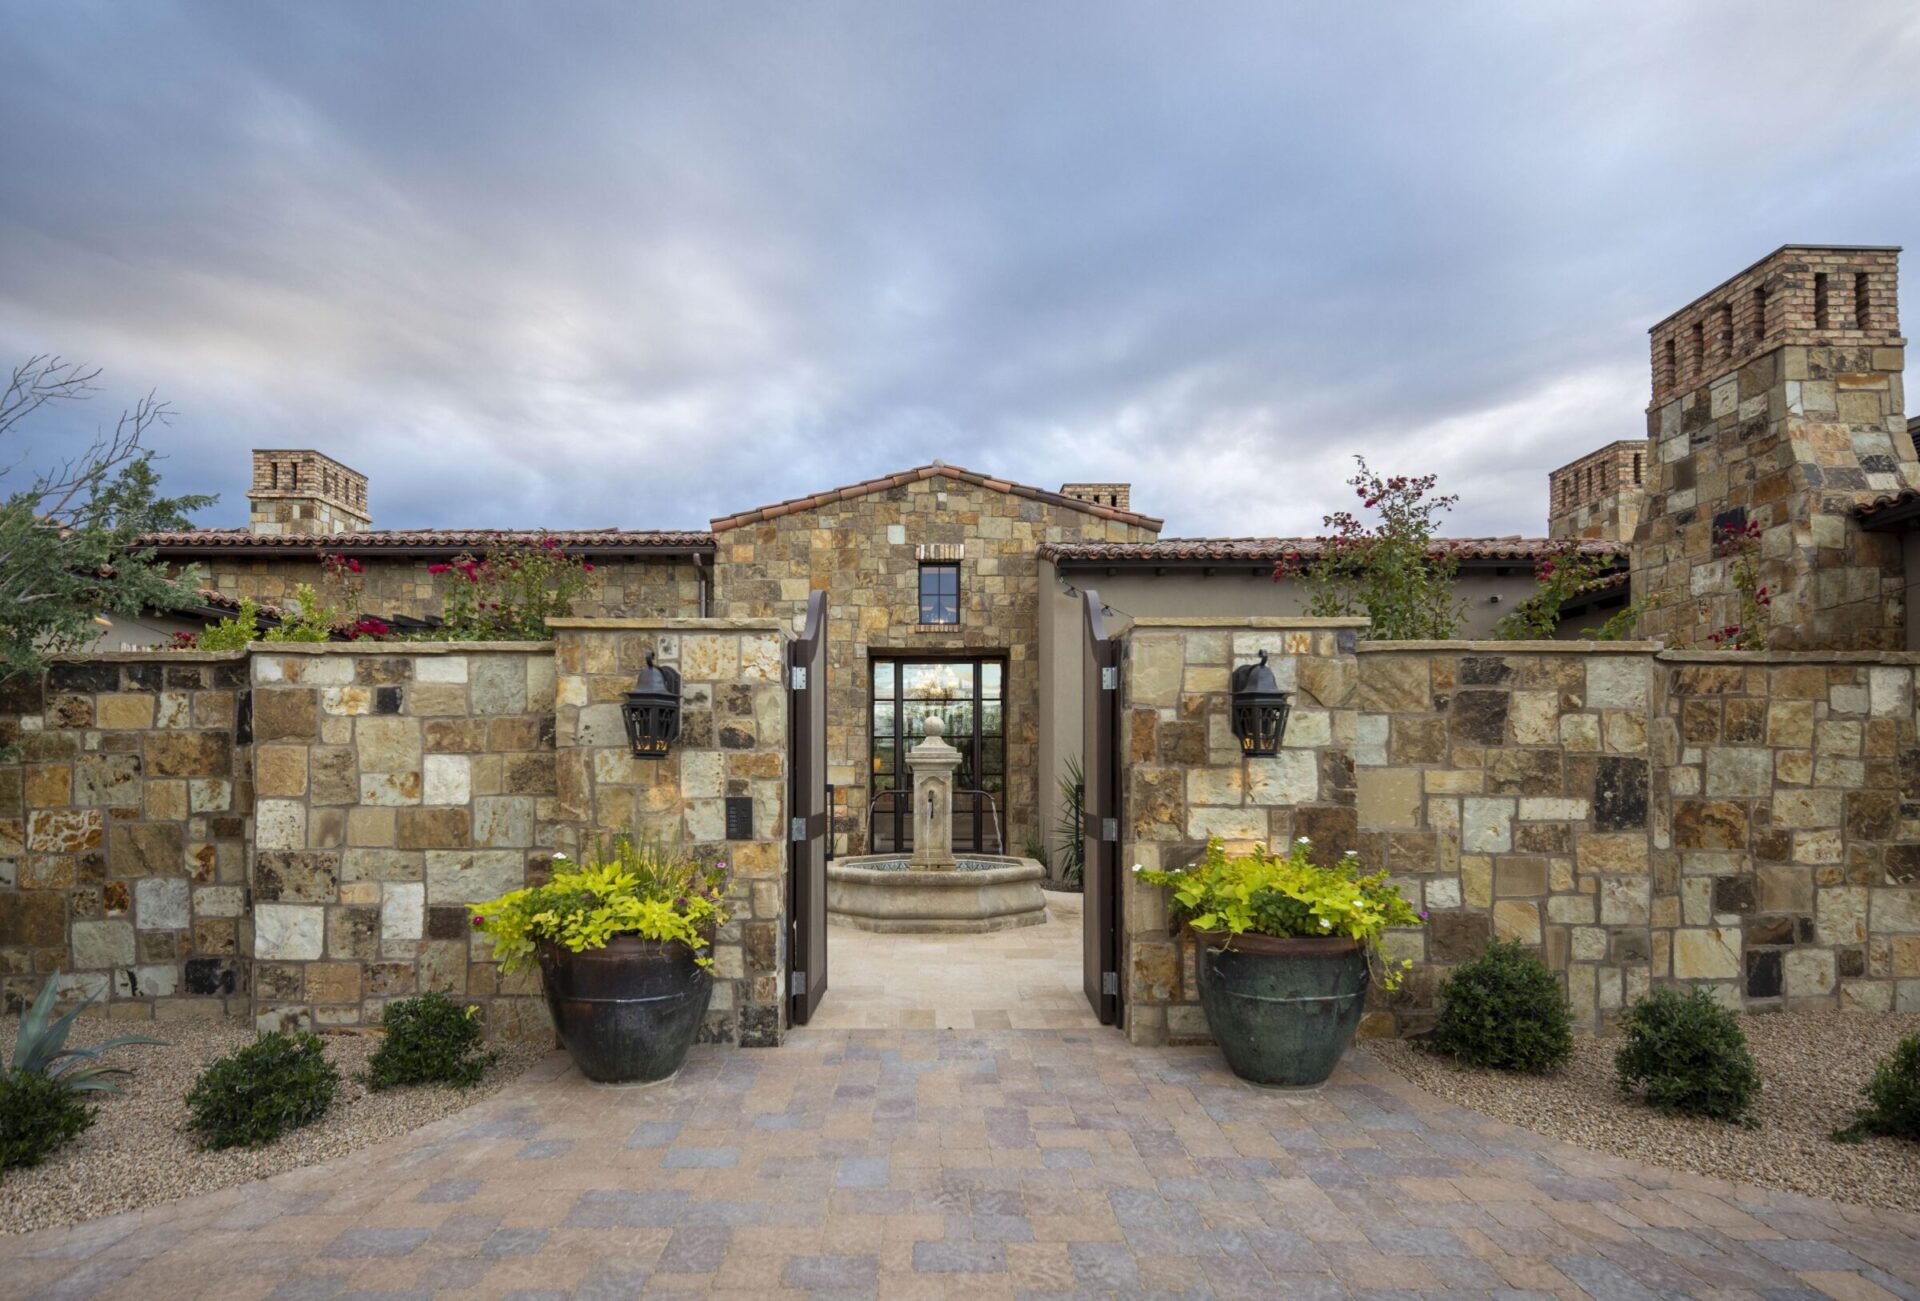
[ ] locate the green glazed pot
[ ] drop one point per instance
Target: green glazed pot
(1282, 1010)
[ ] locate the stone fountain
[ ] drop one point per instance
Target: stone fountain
(933, 889)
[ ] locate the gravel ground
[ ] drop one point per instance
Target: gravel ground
(137, 1153)
(1813, 1065)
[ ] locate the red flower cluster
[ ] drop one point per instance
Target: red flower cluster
(368, 626)
(340, 566)
(184, 641)
(1731, 633)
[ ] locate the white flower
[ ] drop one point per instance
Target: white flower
(1303, 841)
(1138, 868)
(1325, 925)
(559, 857)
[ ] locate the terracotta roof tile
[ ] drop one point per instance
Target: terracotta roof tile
(428, 541)
(1268, 550)
(1886, 502)
(937, 469)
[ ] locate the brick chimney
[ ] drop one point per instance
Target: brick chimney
(300, 492)
(1599, 495)
(1116, 495)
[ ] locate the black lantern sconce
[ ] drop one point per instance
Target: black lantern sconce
(1260, 710)
(652, 711)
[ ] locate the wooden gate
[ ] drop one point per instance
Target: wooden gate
(1101, 811)
(808, 830)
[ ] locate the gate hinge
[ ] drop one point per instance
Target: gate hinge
(1110, 982)
(799, 983)
(1109, 677)
(1109, 828)
(797, 831)
(799, 678)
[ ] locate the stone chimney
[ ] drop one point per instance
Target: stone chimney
(1777, 406)
(1116, 495)
(1599, 495)
(301, 492)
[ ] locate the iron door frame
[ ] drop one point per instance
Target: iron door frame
(1100, 812)
(808, 829)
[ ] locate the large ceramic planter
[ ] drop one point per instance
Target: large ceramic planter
(1282, 1010)
(629, 1012)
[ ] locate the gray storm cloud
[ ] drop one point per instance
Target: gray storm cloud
(641, 265)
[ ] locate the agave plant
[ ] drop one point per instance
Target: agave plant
(41, 1048)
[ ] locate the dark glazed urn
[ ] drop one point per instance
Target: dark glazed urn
(629, 1012)
(1282, 1010)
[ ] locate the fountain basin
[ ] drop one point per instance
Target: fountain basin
(984, 892)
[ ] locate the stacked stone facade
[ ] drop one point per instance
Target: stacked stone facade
(300, 491)
(394, 786)
(1599, 495)
(1777, 403)
(864, 550)
(732, 744)
(1184, 780)
(1743, 823)
(619, 587)
(123, 834)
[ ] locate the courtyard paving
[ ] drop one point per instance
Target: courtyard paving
(976, 1163)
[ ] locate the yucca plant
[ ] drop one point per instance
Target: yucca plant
(41, 1048)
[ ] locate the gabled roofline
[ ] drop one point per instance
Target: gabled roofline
(938, 469)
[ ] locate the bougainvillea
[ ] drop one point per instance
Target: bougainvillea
(1739, 545)
(509, 593)
(1562, 576)
(1392, 572)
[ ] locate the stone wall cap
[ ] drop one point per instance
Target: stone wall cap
(1905, 659)
(571, 624)
(154, 655)
(394, 647)
(1512, 647)
(1263, 622)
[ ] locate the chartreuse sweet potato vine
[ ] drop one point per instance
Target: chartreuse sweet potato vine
(1288, 896)
(646, 889)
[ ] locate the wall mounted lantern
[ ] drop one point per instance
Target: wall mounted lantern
(652, 711)
(1259, 710)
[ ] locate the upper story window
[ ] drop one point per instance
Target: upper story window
(940, 593)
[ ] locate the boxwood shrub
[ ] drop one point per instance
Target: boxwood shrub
(1684, 1053)
(38, 1115)
(1893, 1096)
(252, 1096)
(429, 1040)
(1504, 1009)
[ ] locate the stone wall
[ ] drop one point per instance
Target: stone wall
(619, 587)
(864, 550)
(395, 785)
(733, 743)
(1747, 823)
(123, 855)
(1185, 780)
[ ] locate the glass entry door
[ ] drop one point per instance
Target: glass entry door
(967, 697)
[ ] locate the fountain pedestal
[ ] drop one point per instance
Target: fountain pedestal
(933, 762)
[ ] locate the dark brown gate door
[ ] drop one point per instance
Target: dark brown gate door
(1101, 805)
(807, 801)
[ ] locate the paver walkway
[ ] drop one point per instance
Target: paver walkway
(977, 1164)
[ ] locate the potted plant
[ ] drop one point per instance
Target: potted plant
(623, 942)
(1287, 950)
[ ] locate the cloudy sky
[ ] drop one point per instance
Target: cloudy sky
(579, 264)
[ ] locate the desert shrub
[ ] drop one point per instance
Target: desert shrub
(38, 1114)
(430, 1040)
(1893, 1096)
(1504, 1009)
(1686, 1054)
(252, 1096)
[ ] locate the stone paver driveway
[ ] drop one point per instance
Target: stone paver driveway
(976, 1164)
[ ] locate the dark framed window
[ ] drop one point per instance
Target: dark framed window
(968, 696)
(940, 593)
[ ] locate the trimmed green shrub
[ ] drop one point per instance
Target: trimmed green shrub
(38, 1114)
(1686, 1054)
(1504, 1009)
(254, 1095)
(430, 1040)
(1893, 1097)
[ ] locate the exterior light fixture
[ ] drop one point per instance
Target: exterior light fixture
(652, 711)
(1260, 710)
